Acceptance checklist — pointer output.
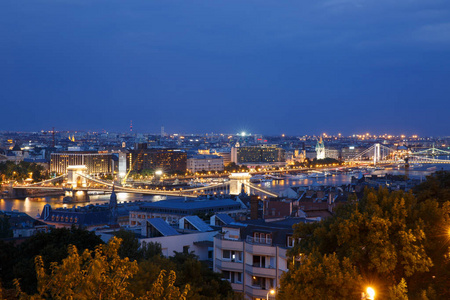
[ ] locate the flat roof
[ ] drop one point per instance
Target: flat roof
(190, 204)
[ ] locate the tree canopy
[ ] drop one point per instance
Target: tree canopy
(396, 241)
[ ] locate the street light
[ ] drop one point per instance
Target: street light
(369, 294)
(271, 292)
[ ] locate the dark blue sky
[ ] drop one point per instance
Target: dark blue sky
(270, 67)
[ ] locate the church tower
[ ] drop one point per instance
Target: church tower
(320, 149)
(113, 213)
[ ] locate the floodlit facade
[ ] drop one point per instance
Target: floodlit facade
(166, 160)
(257, 154)
(96, 163)
(199, 163)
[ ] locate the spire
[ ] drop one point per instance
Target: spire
(113, 207)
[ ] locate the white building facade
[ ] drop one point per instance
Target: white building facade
(200, 163)
(250, 259)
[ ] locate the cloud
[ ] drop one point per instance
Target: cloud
(434, 34)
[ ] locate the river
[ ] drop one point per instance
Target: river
(33, 206)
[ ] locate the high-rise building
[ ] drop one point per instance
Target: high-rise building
(257, 154)
(167, 160)
(96, 163)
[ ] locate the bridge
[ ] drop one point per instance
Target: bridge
(380, 154)
(77, 181)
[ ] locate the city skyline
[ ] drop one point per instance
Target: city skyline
(227, 66)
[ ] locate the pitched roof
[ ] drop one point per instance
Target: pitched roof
(163, 228)
(198, 223)
(225, 218)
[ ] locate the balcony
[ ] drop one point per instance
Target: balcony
(282, 253)
(256, 292)
(237, 287)
(258, 241)
(228, 244)
(261, 249)
(261, 272)
(229, 265)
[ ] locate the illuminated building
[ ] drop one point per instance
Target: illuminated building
(320, 149)
(198, 163)
(96, 163)
(167, 160)
(257, 154)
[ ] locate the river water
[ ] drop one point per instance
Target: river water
(33, 206)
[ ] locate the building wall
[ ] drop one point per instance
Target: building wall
(151, 159)
(96, 163)
(262, 154)
(178, 243)
(331, 153)
(251, 268)
(137, 218)
(205, 163)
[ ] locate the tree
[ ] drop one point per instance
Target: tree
(398, 292)
(436, 187)
(129, 246)
(150, 250)
(164, 288)
(98, 274)
(386, 236)
(132, 249)
(5, 227)
(321, 277)
(52, 247)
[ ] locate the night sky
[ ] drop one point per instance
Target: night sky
(270, 67)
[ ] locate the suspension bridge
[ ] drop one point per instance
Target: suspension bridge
(77, 181)
(380, 154)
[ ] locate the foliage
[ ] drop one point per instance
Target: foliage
(132, 249)
(387, 236)
(58, 269)
(398, 292)
(5, 227)
(130, 245)
(436, 187)
(233, 167)
(324, 161)
(12, 171)
(321, 277)
(164, 289)
(18, 261)
(203, 283)
(99, 274)
(150, 250)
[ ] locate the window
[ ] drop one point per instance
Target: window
(259, 261)
(290, 241)
(233, 277)
(231, 255)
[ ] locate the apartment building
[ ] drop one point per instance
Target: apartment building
(252, 256)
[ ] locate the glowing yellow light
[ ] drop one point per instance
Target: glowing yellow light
(370, 293)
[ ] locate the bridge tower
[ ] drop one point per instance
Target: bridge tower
(75, 175)
(236, 181)
(376, 153)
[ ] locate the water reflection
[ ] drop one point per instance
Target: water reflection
(34, 205)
